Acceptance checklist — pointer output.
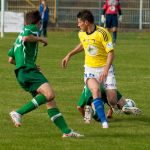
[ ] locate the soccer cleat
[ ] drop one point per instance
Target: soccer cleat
(88, 114)
(16, 118)
(104, 125)
(72, 134)
(131, 110)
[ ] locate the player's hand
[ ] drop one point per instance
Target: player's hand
(38, 67)
(65, 61)
(120, 18)
(103, 76)
(44, 41)
(103, 19)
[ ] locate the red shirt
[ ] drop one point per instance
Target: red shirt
(112, 6)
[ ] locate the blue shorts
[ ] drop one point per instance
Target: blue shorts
(111, 20)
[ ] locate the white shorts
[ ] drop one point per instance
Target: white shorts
(109, 83)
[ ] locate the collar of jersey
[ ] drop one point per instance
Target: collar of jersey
(92, 31)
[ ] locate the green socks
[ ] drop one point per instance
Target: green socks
(58, 120)
(33, 104)
(53, 113)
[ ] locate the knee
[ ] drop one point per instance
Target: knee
(114, 29)
(95, 92)
(50, 96)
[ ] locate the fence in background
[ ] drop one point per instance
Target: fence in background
(63, 12)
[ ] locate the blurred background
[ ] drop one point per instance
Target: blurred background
(62, 13)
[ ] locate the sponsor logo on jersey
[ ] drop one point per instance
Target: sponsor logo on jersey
(92, 50)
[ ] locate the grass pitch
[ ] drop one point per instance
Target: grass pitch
(126, 132)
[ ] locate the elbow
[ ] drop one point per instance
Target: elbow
(25, 39)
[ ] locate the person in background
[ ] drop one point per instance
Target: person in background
(111, 9)
(44, 12)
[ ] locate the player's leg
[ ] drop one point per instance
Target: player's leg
(114, 32)
(97, 101)
(86, 112)
(122, 104)
(84, 104)
(81, 110)
(112, 97)
(38, 83)
(52, 109)
(54, 113)
(108, 22)
(104, 98)
(109, 113)
(110, 86)
(45, 23)
(114, 28)
(34, 79)
(26, 108)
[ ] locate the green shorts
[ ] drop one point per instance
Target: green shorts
(30, 79)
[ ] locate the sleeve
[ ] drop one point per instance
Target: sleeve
(11, 52)
(119, 9)
(26, 33)
(104, 11)
(40, 9)
(105, 6)
(106, 40)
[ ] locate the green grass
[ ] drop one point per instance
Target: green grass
(126, 132)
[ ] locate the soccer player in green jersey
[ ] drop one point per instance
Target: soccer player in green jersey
(23, 55)
(84, 105)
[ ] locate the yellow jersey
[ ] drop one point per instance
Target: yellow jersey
(96, 46)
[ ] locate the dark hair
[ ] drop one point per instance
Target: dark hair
(86, 15)
(32, 17)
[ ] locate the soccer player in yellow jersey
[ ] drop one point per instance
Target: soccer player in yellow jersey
(99, 54)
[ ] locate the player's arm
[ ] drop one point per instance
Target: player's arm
(119, 9)
(11, 55)
(77, 49)
(120, 13)
(32, 38)
(44, 4)
(103, 13)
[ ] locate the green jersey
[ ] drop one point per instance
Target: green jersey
(25, 53)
